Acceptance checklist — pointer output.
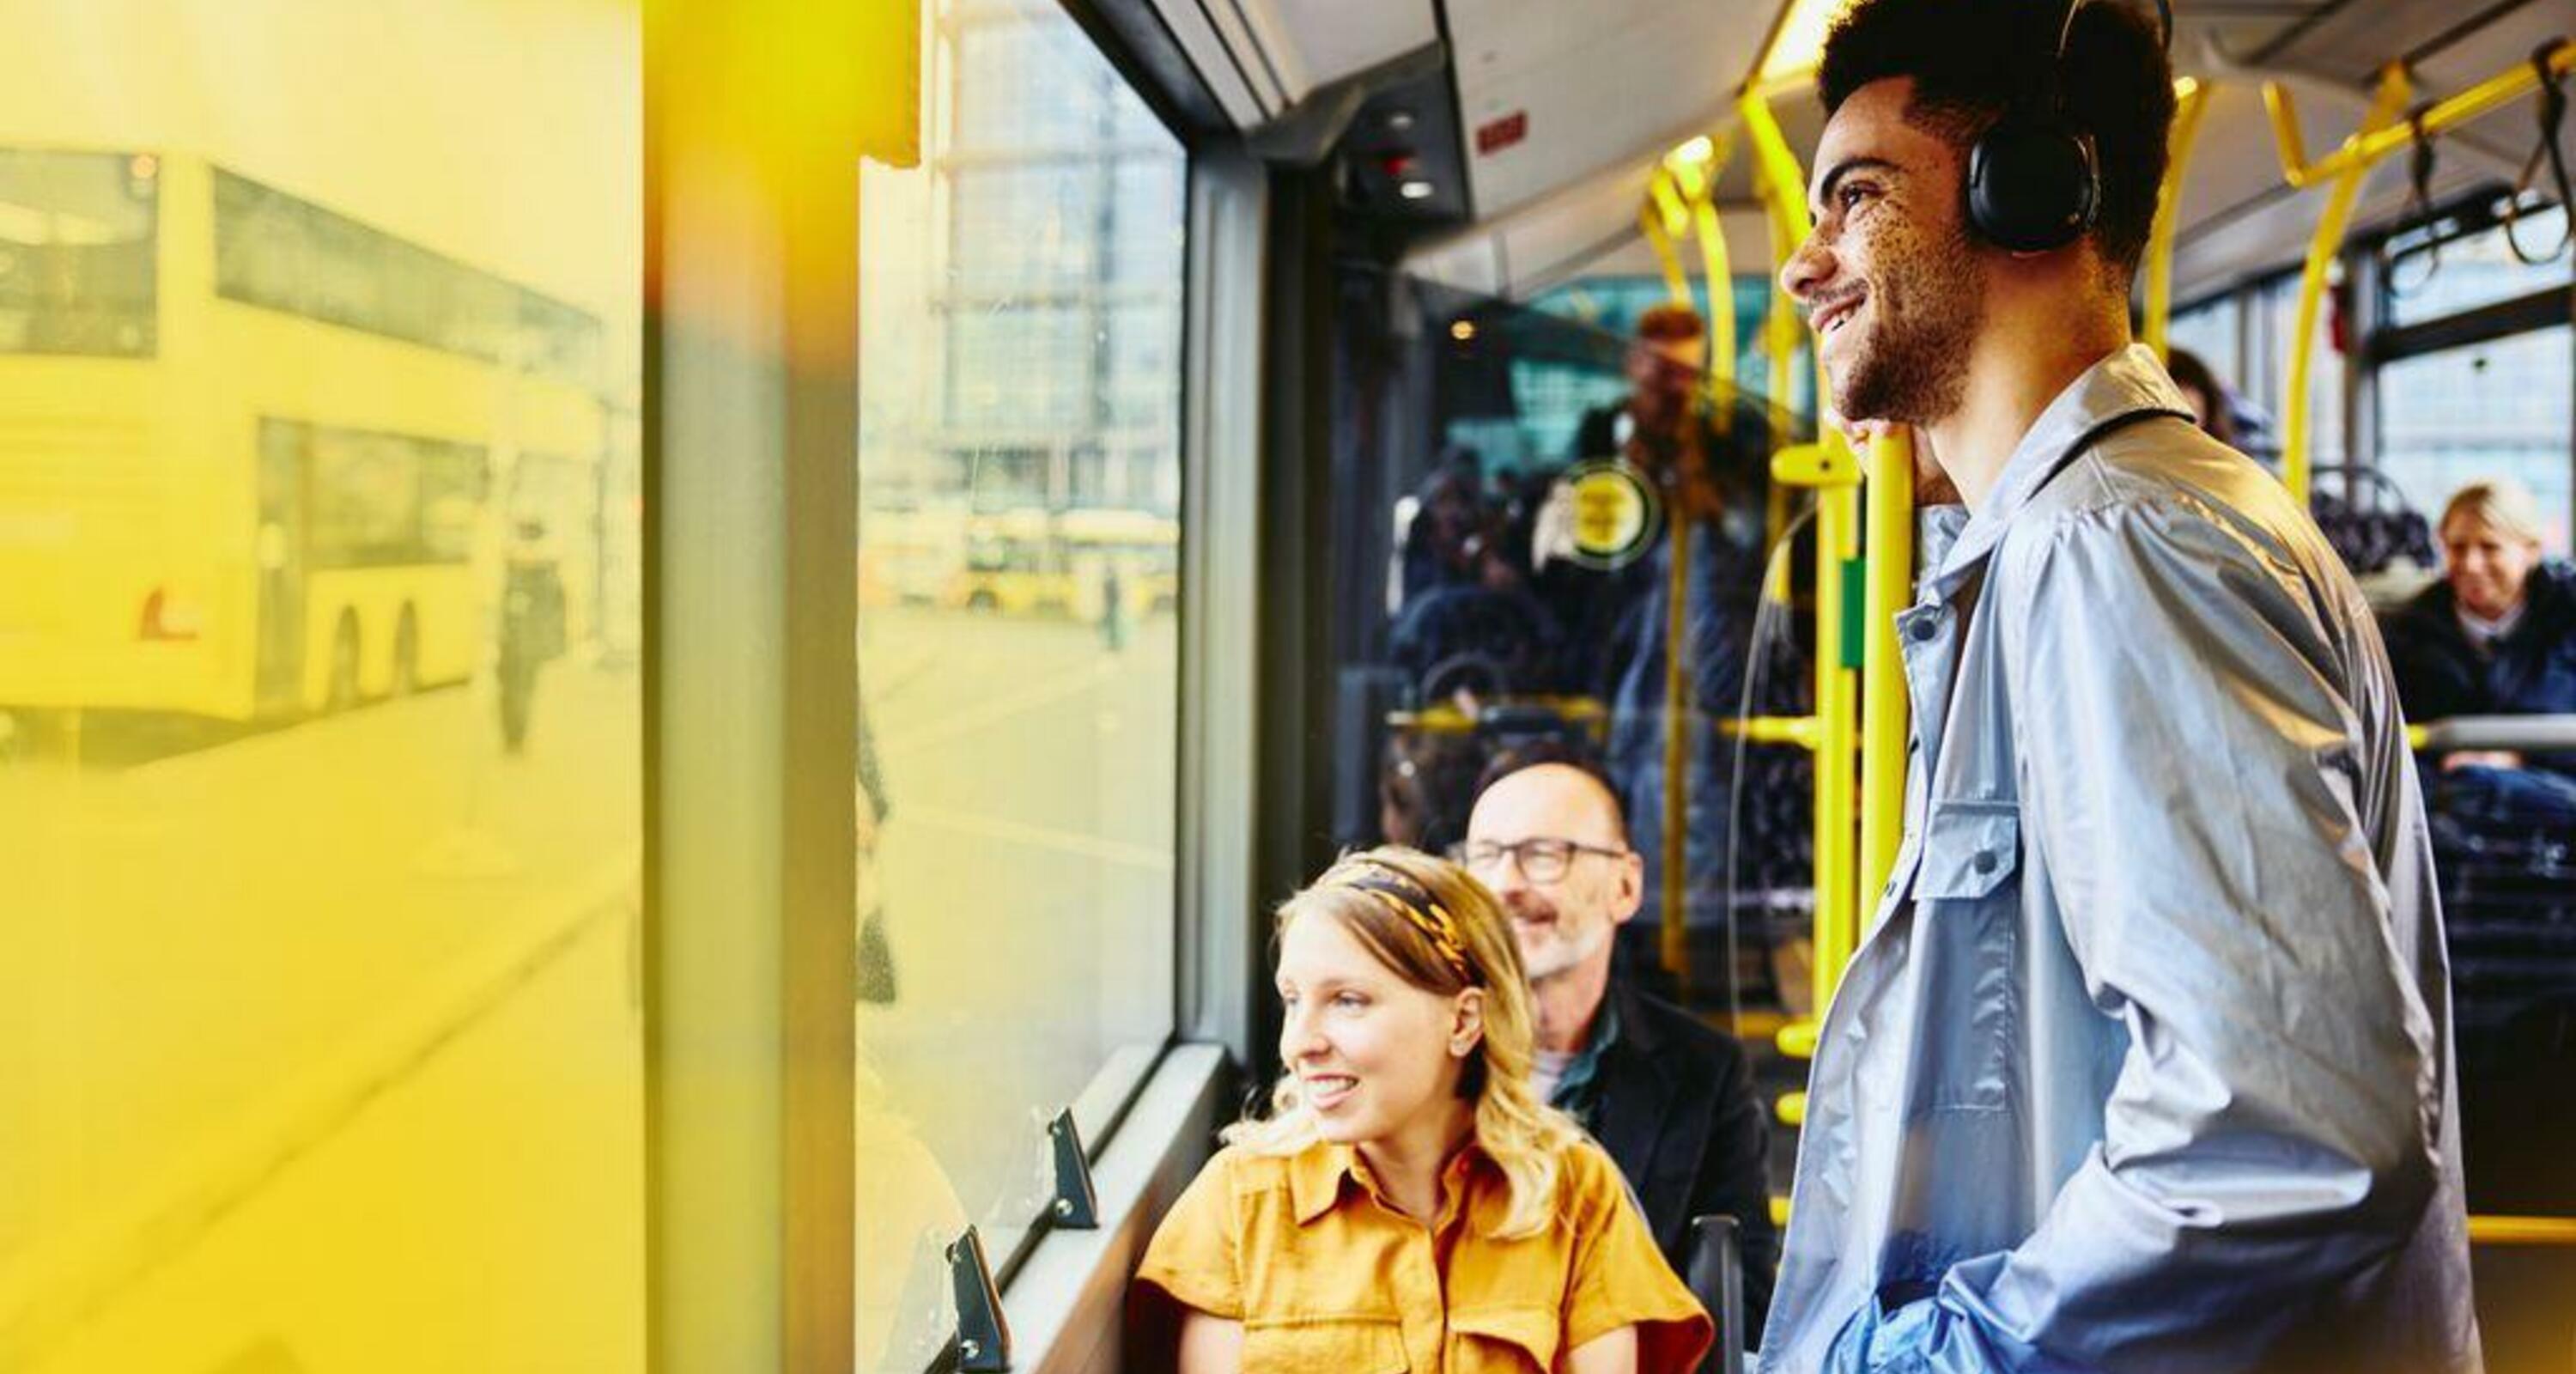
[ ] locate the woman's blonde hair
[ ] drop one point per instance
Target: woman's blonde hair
(2501, 504)
(1439, 930)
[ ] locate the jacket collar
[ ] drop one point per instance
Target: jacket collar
(2129, 382)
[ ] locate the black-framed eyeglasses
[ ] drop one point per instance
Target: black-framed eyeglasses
(1543, 859)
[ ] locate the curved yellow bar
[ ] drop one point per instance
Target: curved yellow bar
(2322, 250)
(2191, 101)
(2554, 1231)
(1651, 222)
(2377, 138)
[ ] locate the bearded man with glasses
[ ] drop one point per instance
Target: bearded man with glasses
(1670, 1097)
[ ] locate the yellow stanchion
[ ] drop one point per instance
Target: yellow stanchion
(1883, 697)
(2323, 246)
(1834, 473)
(2551, 1231)
(2191, 101)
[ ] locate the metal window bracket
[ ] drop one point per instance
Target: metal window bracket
(1076, 1206)
(983, 1336)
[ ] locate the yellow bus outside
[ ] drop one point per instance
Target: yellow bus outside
(258, 457)
(1027, 562)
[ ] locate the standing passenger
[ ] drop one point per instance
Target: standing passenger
(1409, 1203)
(2146, 1062)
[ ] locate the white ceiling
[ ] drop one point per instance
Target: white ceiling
(1605, 86)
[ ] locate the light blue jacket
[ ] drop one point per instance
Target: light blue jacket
(2145, 1063)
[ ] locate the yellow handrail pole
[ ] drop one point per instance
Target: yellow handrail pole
(1720, 276)
(1779, 182)
(2191, 100)
(1837, 544)
(2322, 248)
(1882, 673)
(1679, 705)
(1830, 467)
(1660, 217)
(2377, 138)
(2502, 1230)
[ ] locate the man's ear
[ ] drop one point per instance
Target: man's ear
(1630, 893)
(1467, 1023)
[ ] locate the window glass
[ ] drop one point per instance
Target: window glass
(2274, 324)
(2425, 282)
(320, 795)
(77, 237)
(2208, 332)
(2497, 409)
(1020, 482)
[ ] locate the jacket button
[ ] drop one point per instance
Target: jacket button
(1984, 862)
(1925, 628)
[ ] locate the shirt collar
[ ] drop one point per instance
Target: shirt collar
(2484, 633)
(2124, 383)
(1316, 1176)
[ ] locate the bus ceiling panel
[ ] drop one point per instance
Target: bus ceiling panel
(1553, 94)
(2269, 231)
(1264, 56)
(1586, 229)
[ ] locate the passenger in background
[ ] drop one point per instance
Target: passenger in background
(1707, 460)
(2210, 407)
(1408, 1203)
(2496, 636)
(1670, 1097)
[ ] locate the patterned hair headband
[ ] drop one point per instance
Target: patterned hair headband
(1396, 890)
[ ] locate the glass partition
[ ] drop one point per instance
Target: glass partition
(1504, 522)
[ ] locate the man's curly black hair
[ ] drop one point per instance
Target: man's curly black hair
(1971, 60)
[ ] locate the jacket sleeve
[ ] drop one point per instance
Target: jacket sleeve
(2190, 780)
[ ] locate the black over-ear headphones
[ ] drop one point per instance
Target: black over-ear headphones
(2032, 182)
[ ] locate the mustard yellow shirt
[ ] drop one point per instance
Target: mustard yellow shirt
(1326, 1275)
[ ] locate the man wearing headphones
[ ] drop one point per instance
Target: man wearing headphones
(2145, 1063)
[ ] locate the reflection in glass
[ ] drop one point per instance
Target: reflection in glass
(1019, 577)
(319, 1041)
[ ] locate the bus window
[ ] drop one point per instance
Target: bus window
(77, 232)
(1019, 526)
(2495, 409)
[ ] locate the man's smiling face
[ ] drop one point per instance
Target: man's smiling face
(1889, 278)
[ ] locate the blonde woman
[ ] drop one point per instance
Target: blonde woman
(1408, 1203)
(2496, 636)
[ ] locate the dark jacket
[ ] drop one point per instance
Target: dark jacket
(1679, 1112)
(2533, 671)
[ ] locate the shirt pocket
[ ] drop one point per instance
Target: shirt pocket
(1504, 1340)
(1967, 949)
(1969, 849)
(1325, 1345)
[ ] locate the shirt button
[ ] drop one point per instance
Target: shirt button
(1984, 862)
(1925, 628)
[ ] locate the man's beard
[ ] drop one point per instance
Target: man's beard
(1914, 369)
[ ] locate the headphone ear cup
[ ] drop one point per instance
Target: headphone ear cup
(2031, 186)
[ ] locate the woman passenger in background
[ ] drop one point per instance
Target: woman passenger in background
(1409, 1203)
(2497, 636)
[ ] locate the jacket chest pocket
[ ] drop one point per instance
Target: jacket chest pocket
(1505, 1340)
(1967, 943)
(1325, 1345)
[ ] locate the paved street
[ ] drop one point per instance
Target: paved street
(313, 1040)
